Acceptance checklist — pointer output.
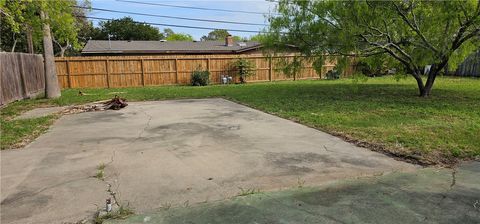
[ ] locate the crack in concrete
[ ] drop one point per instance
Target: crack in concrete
(454, 179)
(113, 193)
(110, 191)
(147, 125)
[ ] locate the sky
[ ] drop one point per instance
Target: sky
(245, 5)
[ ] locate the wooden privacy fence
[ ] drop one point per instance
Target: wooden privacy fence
(22, 76)
(126, 71)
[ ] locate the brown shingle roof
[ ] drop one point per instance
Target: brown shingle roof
(168, 47)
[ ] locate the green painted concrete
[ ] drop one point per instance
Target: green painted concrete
(429, 195)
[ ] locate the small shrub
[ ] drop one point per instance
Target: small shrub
(333, 74)
(200, 78)
(244, 68)
(373, 67)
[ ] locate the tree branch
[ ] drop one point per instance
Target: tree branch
(414, 26)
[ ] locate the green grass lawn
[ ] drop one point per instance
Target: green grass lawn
(381, 113)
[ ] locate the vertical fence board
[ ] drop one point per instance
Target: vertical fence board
(470, 67)
(22, 76)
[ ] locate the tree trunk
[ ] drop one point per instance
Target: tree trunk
(430, 80)
(426, 91)
(14, 42)
(62, 51)
(420, 85)
(52, 90)
(29, 33)
(446, 69)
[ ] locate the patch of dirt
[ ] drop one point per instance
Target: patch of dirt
(432, 159)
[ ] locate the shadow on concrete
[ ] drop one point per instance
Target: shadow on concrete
(427, 196)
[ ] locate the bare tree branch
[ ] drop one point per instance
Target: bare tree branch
(414, 26)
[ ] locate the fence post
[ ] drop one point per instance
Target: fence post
(208, 64)
(208, 69)
(270, 69)
(69, 79)
(176, 70)
(108, 72)
(22, 76)
(143, 73)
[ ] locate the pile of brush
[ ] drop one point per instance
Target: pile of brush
(115, 104)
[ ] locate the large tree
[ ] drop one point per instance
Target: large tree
(421, 37)
(40, 20)
(127, 29)
(68, 29)
(21, 25)
(218, 34)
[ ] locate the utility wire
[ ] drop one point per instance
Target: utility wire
(181, 26)
(192, 7)
(170, 17)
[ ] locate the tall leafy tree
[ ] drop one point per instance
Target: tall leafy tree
(421, 37)
(16, 16)
(23, 26)
(42, 20)
(127, 29)
(167, 32)
(218, 34)
(69, 27)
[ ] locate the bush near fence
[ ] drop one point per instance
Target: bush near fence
(128, 71)
(22, 76)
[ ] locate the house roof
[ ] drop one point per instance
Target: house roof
(168, 47)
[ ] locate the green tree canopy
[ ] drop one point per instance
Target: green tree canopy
(258, 37)
(20, 19)
(218, 34)
(179, 37)
(127, 29)
(167, 32)
(415, 34)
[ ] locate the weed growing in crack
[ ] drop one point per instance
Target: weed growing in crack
(300, 183)
(100, 172)
(248, 191)
(122, 213)
(166, 205)
(101, 166)
(99, 175)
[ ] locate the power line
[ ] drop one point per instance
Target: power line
(170, 17)
(180, 26)
(192, 7)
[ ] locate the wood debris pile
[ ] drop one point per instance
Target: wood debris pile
(83, 108)
(114, 104)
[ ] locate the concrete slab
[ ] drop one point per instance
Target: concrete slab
(171, 153)
(39, 112)
(427, 196)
